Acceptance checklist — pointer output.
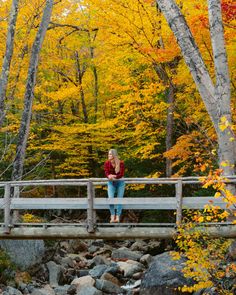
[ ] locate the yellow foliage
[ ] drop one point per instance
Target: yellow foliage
(30, 218)
(206, 257)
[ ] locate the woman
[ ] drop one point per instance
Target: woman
(114, 169)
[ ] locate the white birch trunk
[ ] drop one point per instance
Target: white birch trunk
(29, 93)
(7, 58)
(216, 98)
(222, 87)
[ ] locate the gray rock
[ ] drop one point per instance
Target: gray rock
(43, 291)
(55, 273)
(88, 290)
(109, 277)
(98, 260)
(99, 243)
(30, 288)
(22, 286)
(11, 291)
(125, 253)
(67, 261)
(108, 287)
(146, 259)
(153, 248)
(61, 290)
(78, 246)
(24, 253)
(72, 290)
(130, 267)
(139, 246)
(92, 249)
(105, 251)
(164, 276)
(98, 270)
(113, 268)
(82, 272)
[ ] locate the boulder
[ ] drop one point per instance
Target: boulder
(55, 273)
(139, 246)
(98, 270)
(108, 287)
(124, 253)
(77, 246)
(46, 290)
(61, 290)
(164, 276)
(98, 260)
(24, 253)
(83, 281)
(146, 259)
(109, 277)
(11, 291)
(130, 267)
(88, 290)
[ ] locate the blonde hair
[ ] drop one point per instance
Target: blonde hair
(116, 159)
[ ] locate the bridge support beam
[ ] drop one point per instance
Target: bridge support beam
(110, 233)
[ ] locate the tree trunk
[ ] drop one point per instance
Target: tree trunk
(7, 58)
(29, 93)
(169, 126)
(162, 74)
(222, 87)
(95, 93)
(216, 98)
(95, 75)
(79, 78)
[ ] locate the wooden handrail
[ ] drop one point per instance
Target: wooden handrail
(83, 181)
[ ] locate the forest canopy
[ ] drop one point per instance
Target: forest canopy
(111, 74)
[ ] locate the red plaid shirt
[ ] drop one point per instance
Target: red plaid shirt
(109, 169)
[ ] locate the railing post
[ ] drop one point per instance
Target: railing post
(15, 191)
(90, 210)
(7, 203)
(94, 210)
(179, 201)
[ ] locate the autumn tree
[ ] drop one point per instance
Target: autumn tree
(26, 116)
(216, 97)
(7, 58)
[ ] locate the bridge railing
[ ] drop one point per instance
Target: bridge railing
(11, 199)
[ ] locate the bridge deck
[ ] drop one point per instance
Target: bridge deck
(13, 200)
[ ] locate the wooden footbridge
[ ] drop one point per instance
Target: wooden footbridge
(12, 199)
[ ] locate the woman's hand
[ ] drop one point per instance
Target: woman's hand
(111, 176)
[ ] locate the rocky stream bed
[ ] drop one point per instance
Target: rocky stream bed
(97, 267)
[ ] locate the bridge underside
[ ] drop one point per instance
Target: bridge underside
(109, 231)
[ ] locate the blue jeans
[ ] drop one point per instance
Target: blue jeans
(119, 188)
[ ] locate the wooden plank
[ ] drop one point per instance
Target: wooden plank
(84, 224)
(111, 233)
(169, 203)
(47, 203)
(200, 202)
(99, 203)
(107, 224)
